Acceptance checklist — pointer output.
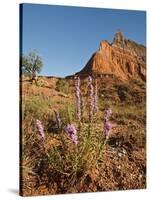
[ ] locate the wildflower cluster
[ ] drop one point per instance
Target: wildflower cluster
(72, 132)
(40, 129)
(70, 129)
(78, 97)
(95, 97)
(91, 98)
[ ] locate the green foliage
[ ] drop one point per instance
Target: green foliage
(63, 86)
(68, 113)
(131, 93)
(31, 64)
(35, 105)
(70, 161)
(126, 114)
(123, 92)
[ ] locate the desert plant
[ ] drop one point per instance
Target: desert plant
(123, 92)
(90, 98)
(78, 98)
(63, 86)
(31, 64)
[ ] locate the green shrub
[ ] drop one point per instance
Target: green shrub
(35, 106)
(129, 113)
(123, 92)
(68, 114)
(63, 86)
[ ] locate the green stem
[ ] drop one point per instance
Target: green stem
(101, 149)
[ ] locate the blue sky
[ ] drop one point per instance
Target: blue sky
(66, 37)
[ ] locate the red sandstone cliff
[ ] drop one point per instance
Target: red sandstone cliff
(123, 58)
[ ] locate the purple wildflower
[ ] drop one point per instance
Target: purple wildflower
(72, 132)
(58, 119)
(95, 97)
(107, 127)
(78, 96)
(108, 114)
(40, 129)
(91, 99)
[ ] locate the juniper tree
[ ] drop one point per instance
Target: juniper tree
(31, 65)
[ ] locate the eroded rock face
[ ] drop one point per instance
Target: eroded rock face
(123, 58)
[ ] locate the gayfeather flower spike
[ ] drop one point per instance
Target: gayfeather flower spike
(107, 124)
(108, 114)
(91, 98)
(107, 127)
(72, 132)
(78, 97)
(95, 97)
(58, 120)
(40, 129)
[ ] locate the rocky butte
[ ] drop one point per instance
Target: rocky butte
(122, 58)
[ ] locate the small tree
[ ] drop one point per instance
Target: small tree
(31, 65)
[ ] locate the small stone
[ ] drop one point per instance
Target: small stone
(124, 151)
(119, 154)
(140, 176)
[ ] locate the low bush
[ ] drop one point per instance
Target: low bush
(63, 86)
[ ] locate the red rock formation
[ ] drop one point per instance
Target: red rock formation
(123, 58)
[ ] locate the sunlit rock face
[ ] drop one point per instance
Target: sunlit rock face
(122, 58)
